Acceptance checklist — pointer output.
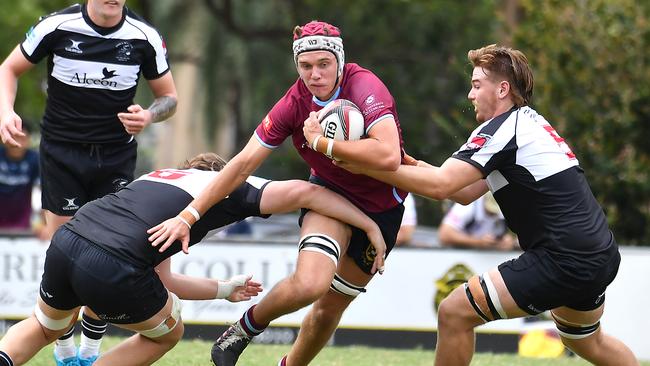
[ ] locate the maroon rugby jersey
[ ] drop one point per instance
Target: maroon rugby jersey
(287, 117)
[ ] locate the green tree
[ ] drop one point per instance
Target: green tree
(416, 47)
(590, 60)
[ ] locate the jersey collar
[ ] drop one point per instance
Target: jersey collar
(324, 103)
(102, 30)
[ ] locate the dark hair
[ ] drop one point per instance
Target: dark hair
(205, 161)
(508, 63)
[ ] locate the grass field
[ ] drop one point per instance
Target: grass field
(195, 353)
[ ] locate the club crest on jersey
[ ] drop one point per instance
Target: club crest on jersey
(124, 51)
(267, 123)
(478, 142)
(74, 47)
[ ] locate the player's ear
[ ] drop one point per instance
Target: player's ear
(504, 89)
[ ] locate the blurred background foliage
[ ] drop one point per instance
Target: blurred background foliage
(232, 61)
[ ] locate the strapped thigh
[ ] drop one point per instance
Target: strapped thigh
(165, 326)
(482, 295)
(572, 331)
(344, 287)
(323, 244)
(52, 324)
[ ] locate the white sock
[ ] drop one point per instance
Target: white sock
(65, 348)
(89, 347)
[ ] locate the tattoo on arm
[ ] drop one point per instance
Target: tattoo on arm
(162, 108)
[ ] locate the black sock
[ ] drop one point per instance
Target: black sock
(5, 360)
(92, 328)
(67, 334)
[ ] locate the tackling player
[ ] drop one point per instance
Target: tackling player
(570, 255)
(96, 52)
(103, 259)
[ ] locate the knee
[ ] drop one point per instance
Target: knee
(169, 340)
(323, 314)
(452, 313)
(52, 335)
(446, 313)
(309, 288)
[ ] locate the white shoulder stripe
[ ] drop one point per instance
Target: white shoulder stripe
(48, 25)
(154, 39)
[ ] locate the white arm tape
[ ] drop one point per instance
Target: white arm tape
(193, 211)
(330, 145)
(226, 287)
(314, 143)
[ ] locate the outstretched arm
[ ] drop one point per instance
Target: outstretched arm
(201, 288)
(287, 196)
(427, 180)
(229, 178)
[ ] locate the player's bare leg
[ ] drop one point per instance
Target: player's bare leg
(323, 318)
(145, 350)
(457, 320)
(598, 348)
(24, 339)
(52, 223)
(310, 281)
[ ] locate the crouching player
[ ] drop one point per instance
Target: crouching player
(103, 259)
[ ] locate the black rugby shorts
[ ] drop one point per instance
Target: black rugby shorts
(360, 249)
(79, 272)
(74, 174)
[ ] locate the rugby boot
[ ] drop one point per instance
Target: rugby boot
(70, 361)
(87, 361)
(231, 344)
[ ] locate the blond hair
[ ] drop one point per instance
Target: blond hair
(509, 64)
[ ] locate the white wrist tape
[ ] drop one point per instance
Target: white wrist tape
(314, 143)
(194, 212)
(330, 145)
(226, 287)
(184, 221)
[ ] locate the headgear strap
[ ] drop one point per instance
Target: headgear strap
(319, 36)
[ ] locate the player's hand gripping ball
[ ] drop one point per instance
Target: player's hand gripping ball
(341, 120)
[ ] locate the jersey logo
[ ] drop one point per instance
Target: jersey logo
(71, 205)
(74, 48)
(124, 51)
(478, 141)
(108, 74)
(86, 80)
(267, 123)
(370, 99)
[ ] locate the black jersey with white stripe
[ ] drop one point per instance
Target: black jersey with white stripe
(119, 222)
(93, 72)
(538, 183)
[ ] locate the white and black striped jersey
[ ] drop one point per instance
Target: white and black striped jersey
(538, 183)
(118, 222)
(92, 71)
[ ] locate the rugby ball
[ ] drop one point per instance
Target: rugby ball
(341, 120)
